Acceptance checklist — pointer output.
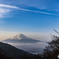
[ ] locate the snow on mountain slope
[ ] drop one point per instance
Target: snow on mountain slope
(20, 38)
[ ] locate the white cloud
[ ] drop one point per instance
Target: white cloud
(37, 11)
(8, 6)
(51, 5)
(5, 9)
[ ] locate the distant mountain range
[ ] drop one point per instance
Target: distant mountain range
(13, 52)
(20, 38)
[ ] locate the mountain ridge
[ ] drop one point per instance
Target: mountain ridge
(20, 38)
(15, 53)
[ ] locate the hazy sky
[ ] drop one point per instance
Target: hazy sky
(29, 15)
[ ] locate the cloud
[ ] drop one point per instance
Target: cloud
(6, 9)
(51, 5)
(3, 12)
(8, 6)
(6, 34)
(37, 11)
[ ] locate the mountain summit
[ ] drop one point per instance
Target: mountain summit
(20, 38)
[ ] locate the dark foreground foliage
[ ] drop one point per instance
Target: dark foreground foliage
(3, 56)
(10, 52)
(50, 52)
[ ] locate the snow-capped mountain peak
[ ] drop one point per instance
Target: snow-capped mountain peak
(20, 36)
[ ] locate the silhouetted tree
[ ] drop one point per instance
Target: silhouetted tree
(52, 50)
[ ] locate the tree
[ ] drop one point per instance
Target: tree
(52, 50)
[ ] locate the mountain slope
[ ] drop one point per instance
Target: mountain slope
(4, 56)
(21, 39)
(15, 53)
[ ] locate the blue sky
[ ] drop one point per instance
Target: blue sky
(29, 15)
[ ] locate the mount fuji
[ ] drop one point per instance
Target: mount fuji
(20, 38)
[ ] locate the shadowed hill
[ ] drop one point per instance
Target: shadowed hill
(10, 52)
(13, 52)
(4, 56)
